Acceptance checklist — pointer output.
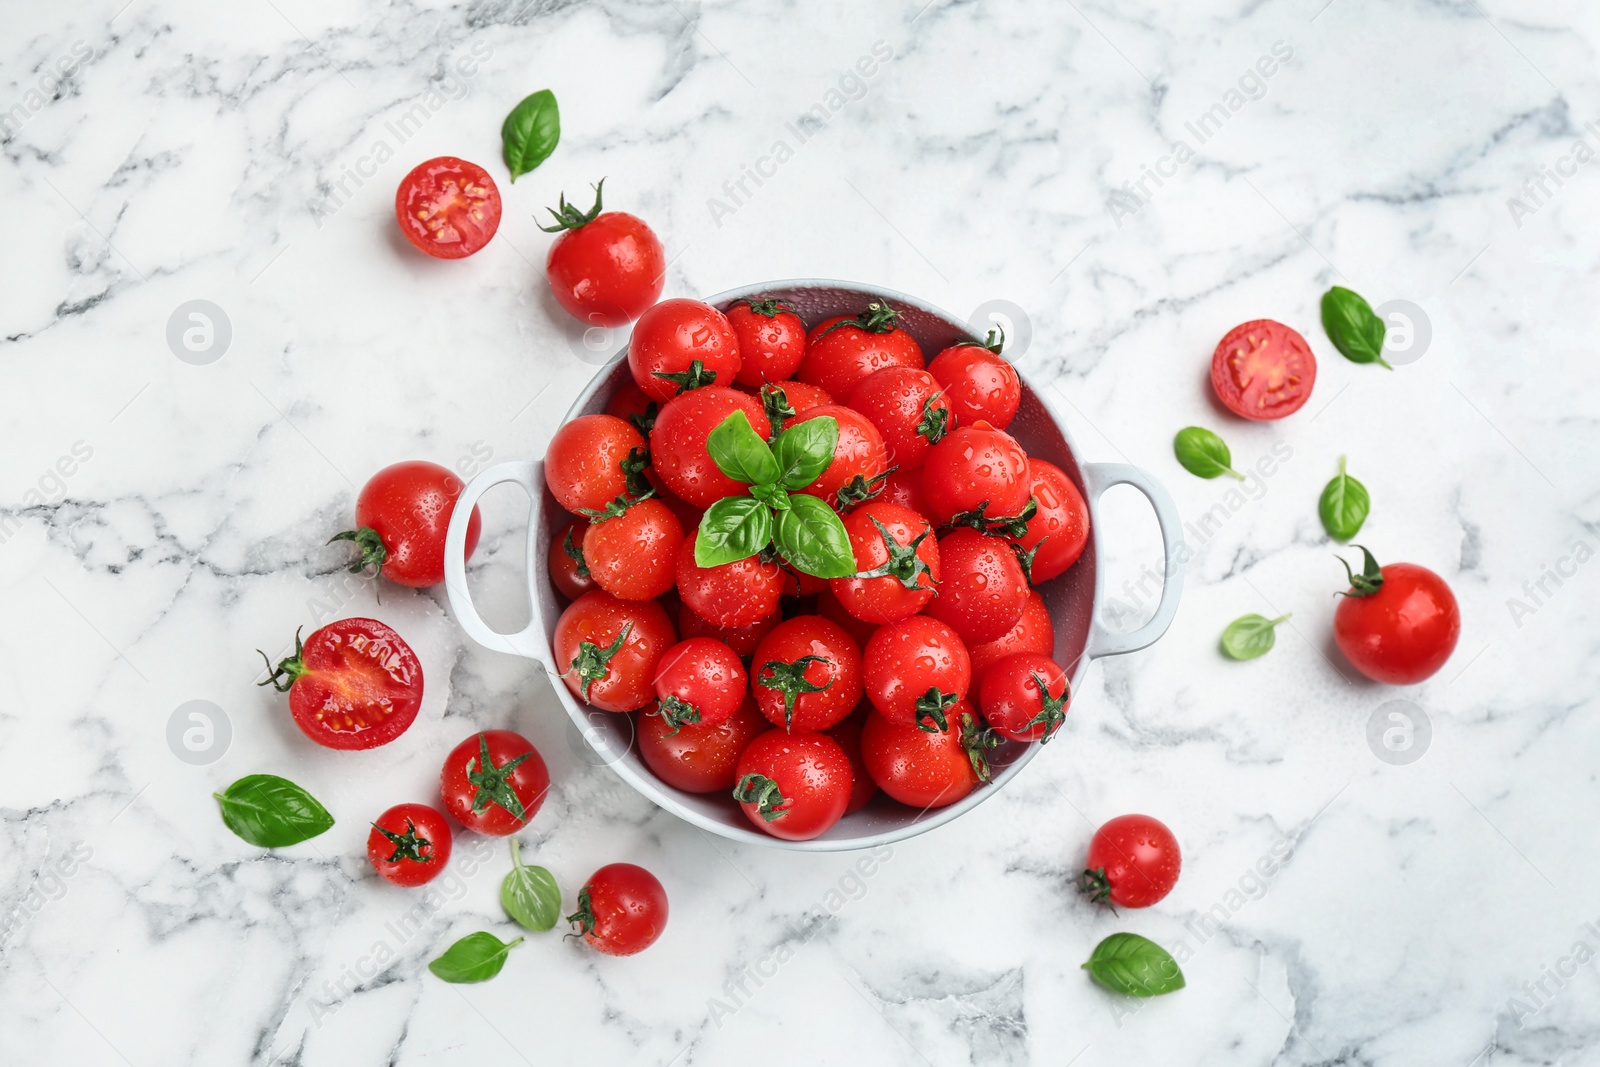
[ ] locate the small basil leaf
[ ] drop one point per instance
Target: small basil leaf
(811, 536)
(1203, 453)
(1250, 636)
(272, 812)
(740, 452)
(529, 134)
(1344, 505)
(475, 958)
(1134, 966)
(530, 894)
(1353, 327)
(805, 450)
(733, 528)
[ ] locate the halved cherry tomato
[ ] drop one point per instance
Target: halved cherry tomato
(699, 757)
(494, 782)
(980, 385)
(1399, 628)
(679, 345)
(742, 639)
(589, 460)
(897, 563)
(634, 555)
(1024, 697)
(622, 909)
(734, 595)
(402, 516)
(927, 769)
(353, 684)
(569, 572)
(1059, 529)
(409, 844)
(1263, 370)
(806, 674)
(909, 410)
(605, 269)
(772, 340)
(916, 670)
(843, 350)
(678, 442)
(1133, 862)
(608, 649)
(1034, 632)
(699, 680)
(982, 589)
(976, 474)
(859, 458)
(794, 786)
(447, 207)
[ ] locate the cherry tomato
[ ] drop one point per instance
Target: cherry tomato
(772, 340)
(794, 786)
(927, 769)
(847, 732)
(409, 844)
(733, 595)
(608, 649)
(915, 671)
(634, 555)
(859, 458)
(569, 573)
(1263, 370)
(982, 590)
(843, 350)
(605, 269)
(679, 345)
(1058, 531)
(797, 583)
(447, 207)
(806, 674)
(353, 684)
(978, 473)
(699, 680)
(630, 403)
(589, 459)
(980, 385)
(860, 630)
(699, 757)
(905, 488)
(1133, 862)
(678, 442)
(402, 515)
(897, 563)
(1034, 632)
(622, 909)
(909, 410)
(1397, 624)
(742, 639)
(785, 400)
(494, 782)
(1024, 697)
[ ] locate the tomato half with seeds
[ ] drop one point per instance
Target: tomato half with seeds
(409, 844)
(606, 267)
(588, 462)
(353, 684)
(859, 458)
(569, 572)
(699, 680)
(1133, 862)
(982, 589)
(1398, 623)
(1263, 370)
(1024, 697)
(976, 474)
(980, 385)
(806, 674)
(679, 345)
(634, 555)
(622, 909)
(772, 340)
(494, 782)
(607, 650)
(794, 786)
(1034, 632)
(927, 769)
(1058, 531)
(699, 757)
(742, 639)
(733, 595)
(447, 207)
(402, 516)
(843, 350)
(909, 410)
(897, 563)
(678, 442)
(916, 670)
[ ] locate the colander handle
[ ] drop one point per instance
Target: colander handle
(1097, 478)
(529, 641)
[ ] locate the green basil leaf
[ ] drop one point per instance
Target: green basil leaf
(530, 894)
(1353, 327)
(1203, 453)
(1344, 505)
(740, 452)
(475, 958)
(1134, 966)
(805, 450)
(529, 134)
(1250, 636)
(272, 812)
(810, 535)
(734, 528)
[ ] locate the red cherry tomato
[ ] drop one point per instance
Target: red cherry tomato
(402, 516)
(976, 467)
(896, 547)
(734, 595)
(1014, 702)
(1399, 629)
(353, 684)
(634, 555)
(926, 769)
(699, 757)
(678, 442)
(622, 909)
(447, 207)
(794, 786)
(586, 466)
(785, 400)
(859, 458)
(605, 269)
(1133, 862)
(1034, 632)
(905, 488)
(630, 404)
(1058, 531)
(979, 384)
(772, 340)
(982, 590)
(860, 630)
(843, 350)
(569, 573)
(699, 680)
(494, 782)
(847, 732)
(409, 844)
(806, 674)
(608, 649)
(671, 338)
(909, 410)
(742, 639)
(1263, 370)
(916, 670)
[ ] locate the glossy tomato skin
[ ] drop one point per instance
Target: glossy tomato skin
(1133, 862)
(976, 465)
(908, 409)
(836, 668)
(772, 340)
(847, 733)
(859, 457)
(634, 556)
(1403, 633)
(982, 589)
(616, 681)
(1263, 370)
(919, 768)
(354, 684)
(839, 356)
(979, 385)
(526, 783)
(860, 630)
(678, 442)
(1059, 530)
(672, 335)
(905, 488)
(888, 597)
(1034, 632)
(742, 639)
(729, 595)
(447, 207)
(699, 757)
(419, 849)
(583, 465)
(622, 909)
(606, 272)
(1011, 698)
(699, 677)
(803, 397)
(812, 778)
(569, 571)
(408, 506)
(914, 670)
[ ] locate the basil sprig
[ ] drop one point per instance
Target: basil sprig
(1203, 453)
(1344, 505)
(272, 812)
(530, 132)
(1250, 636)
(475, 958)
(1134, 966)
(807, 532)
(1353, 327)
(530, 894)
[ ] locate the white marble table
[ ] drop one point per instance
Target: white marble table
(161, 519)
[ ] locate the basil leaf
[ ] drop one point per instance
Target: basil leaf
(530, 894)
(272, 812)
(1203, 453)
(529, 134)
(475, 958)
(1344, 505)
(1353, 327)
(1250, 636)
(811, 537)
(805, 450)
(1134, 966)
(740, 452)
(734, 528)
